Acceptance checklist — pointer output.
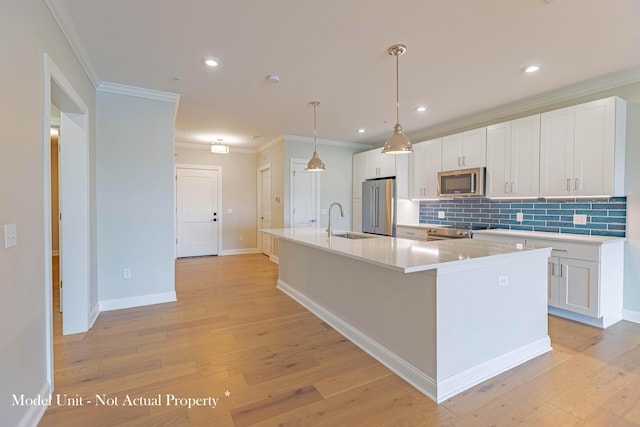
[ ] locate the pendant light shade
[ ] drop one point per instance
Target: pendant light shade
(398, 143)
(315, 164)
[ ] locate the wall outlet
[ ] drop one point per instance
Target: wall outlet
(440, 214)
(10, 235)
(503, 280)
(126, 273)
(579, 219)
(519, 217)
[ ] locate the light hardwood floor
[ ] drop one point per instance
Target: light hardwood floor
(232, 330)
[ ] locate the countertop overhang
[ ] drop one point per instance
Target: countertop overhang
(406, 255)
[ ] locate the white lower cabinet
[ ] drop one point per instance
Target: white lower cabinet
(585, 280)
(573, 285)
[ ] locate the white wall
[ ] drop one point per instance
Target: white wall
(239, 193)
(335, 181)
(135, 203)
(28, 31)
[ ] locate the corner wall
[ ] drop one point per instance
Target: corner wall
(135, 184)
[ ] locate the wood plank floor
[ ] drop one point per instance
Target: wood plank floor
(232, 330)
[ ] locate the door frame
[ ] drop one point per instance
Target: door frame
(292, 163)
(261, 168)
(55, 81)
(220, 221)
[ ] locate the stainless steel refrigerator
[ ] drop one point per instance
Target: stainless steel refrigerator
(379, 206)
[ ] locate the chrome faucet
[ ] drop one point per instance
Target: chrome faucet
(329, 228)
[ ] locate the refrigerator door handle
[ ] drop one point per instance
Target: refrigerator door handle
(372, 204)
(377, 207)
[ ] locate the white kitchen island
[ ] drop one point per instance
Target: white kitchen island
(443, 315)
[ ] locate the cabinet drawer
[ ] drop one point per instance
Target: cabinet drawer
(411, 233)
(587, 252)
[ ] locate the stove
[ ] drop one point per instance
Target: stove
(455, 231)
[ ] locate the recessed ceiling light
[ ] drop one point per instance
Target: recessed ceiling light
(360, 130)
(531, 68)
(421, 109)
(210, 61)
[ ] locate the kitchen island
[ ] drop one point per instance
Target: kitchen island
(443, 315)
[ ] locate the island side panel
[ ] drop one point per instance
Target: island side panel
(497, 313)
(394, 309)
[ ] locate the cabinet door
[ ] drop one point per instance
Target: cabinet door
(474, 148)
(498, 160)
(359, 174)
(452, 152)
(525, 157)
(552, 282)
(356, 215)
(380, 164)
(578, 286)
(425, 163)
(556, 152)
(594, 148)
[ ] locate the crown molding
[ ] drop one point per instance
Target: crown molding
(547, 99)
(139, 92)
(329, 142)
(62, 17)
(205, 147)
(272, 142)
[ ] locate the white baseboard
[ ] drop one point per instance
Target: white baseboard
(602, 322)
(35, 412)
(93, 316)
(437, 391)
(139, 301)
(401, 367)
(631, 316)
(55, 253)
(451, 386)
(275, 259)
(240, 251)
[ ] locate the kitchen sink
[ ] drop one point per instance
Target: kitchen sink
(355, 236)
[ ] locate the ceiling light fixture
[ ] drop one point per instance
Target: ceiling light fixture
(398, 143)
(421, 109)
(219, 148)
(361, 130)
(210, 61)
(315, 164)
(531, 68)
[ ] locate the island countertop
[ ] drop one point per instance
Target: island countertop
(404, 255)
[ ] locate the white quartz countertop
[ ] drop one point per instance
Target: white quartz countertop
(565, 237)
(404, 255)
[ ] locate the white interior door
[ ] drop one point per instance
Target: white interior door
(197, 213)
(74, 223)
(265, 208)
(305, 196)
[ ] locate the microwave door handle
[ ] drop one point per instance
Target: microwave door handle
(473, 183)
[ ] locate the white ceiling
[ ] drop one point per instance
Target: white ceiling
(463, 57)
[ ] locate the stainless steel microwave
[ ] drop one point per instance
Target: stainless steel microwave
(461, 183)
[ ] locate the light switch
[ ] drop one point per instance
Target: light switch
(10, 235)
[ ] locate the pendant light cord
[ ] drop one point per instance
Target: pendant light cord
(397, 90)
(315, 132)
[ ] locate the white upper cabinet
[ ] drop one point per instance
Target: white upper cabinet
(359, 174)
(380, 165)
(513, 158)
(465, 150)
(582, 149)
(424, 165)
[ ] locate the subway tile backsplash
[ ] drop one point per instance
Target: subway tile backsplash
(605, 216)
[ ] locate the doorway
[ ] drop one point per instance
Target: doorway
(264, 207)
(73, 195)
(304, 210)
(198, 216)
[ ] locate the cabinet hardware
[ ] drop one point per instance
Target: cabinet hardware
(575, 184)
(464, 160)
(505, 187)
(511, 188)
(568, 184)
(553, 269)
(459, 163)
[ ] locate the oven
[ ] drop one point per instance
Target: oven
(452, 232)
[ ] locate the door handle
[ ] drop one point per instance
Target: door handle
(568, 184)
(575, 184)
(505, 187)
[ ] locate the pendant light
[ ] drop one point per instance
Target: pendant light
(398, 143)
(315, 164)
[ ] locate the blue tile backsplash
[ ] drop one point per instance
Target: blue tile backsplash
(605, 216)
